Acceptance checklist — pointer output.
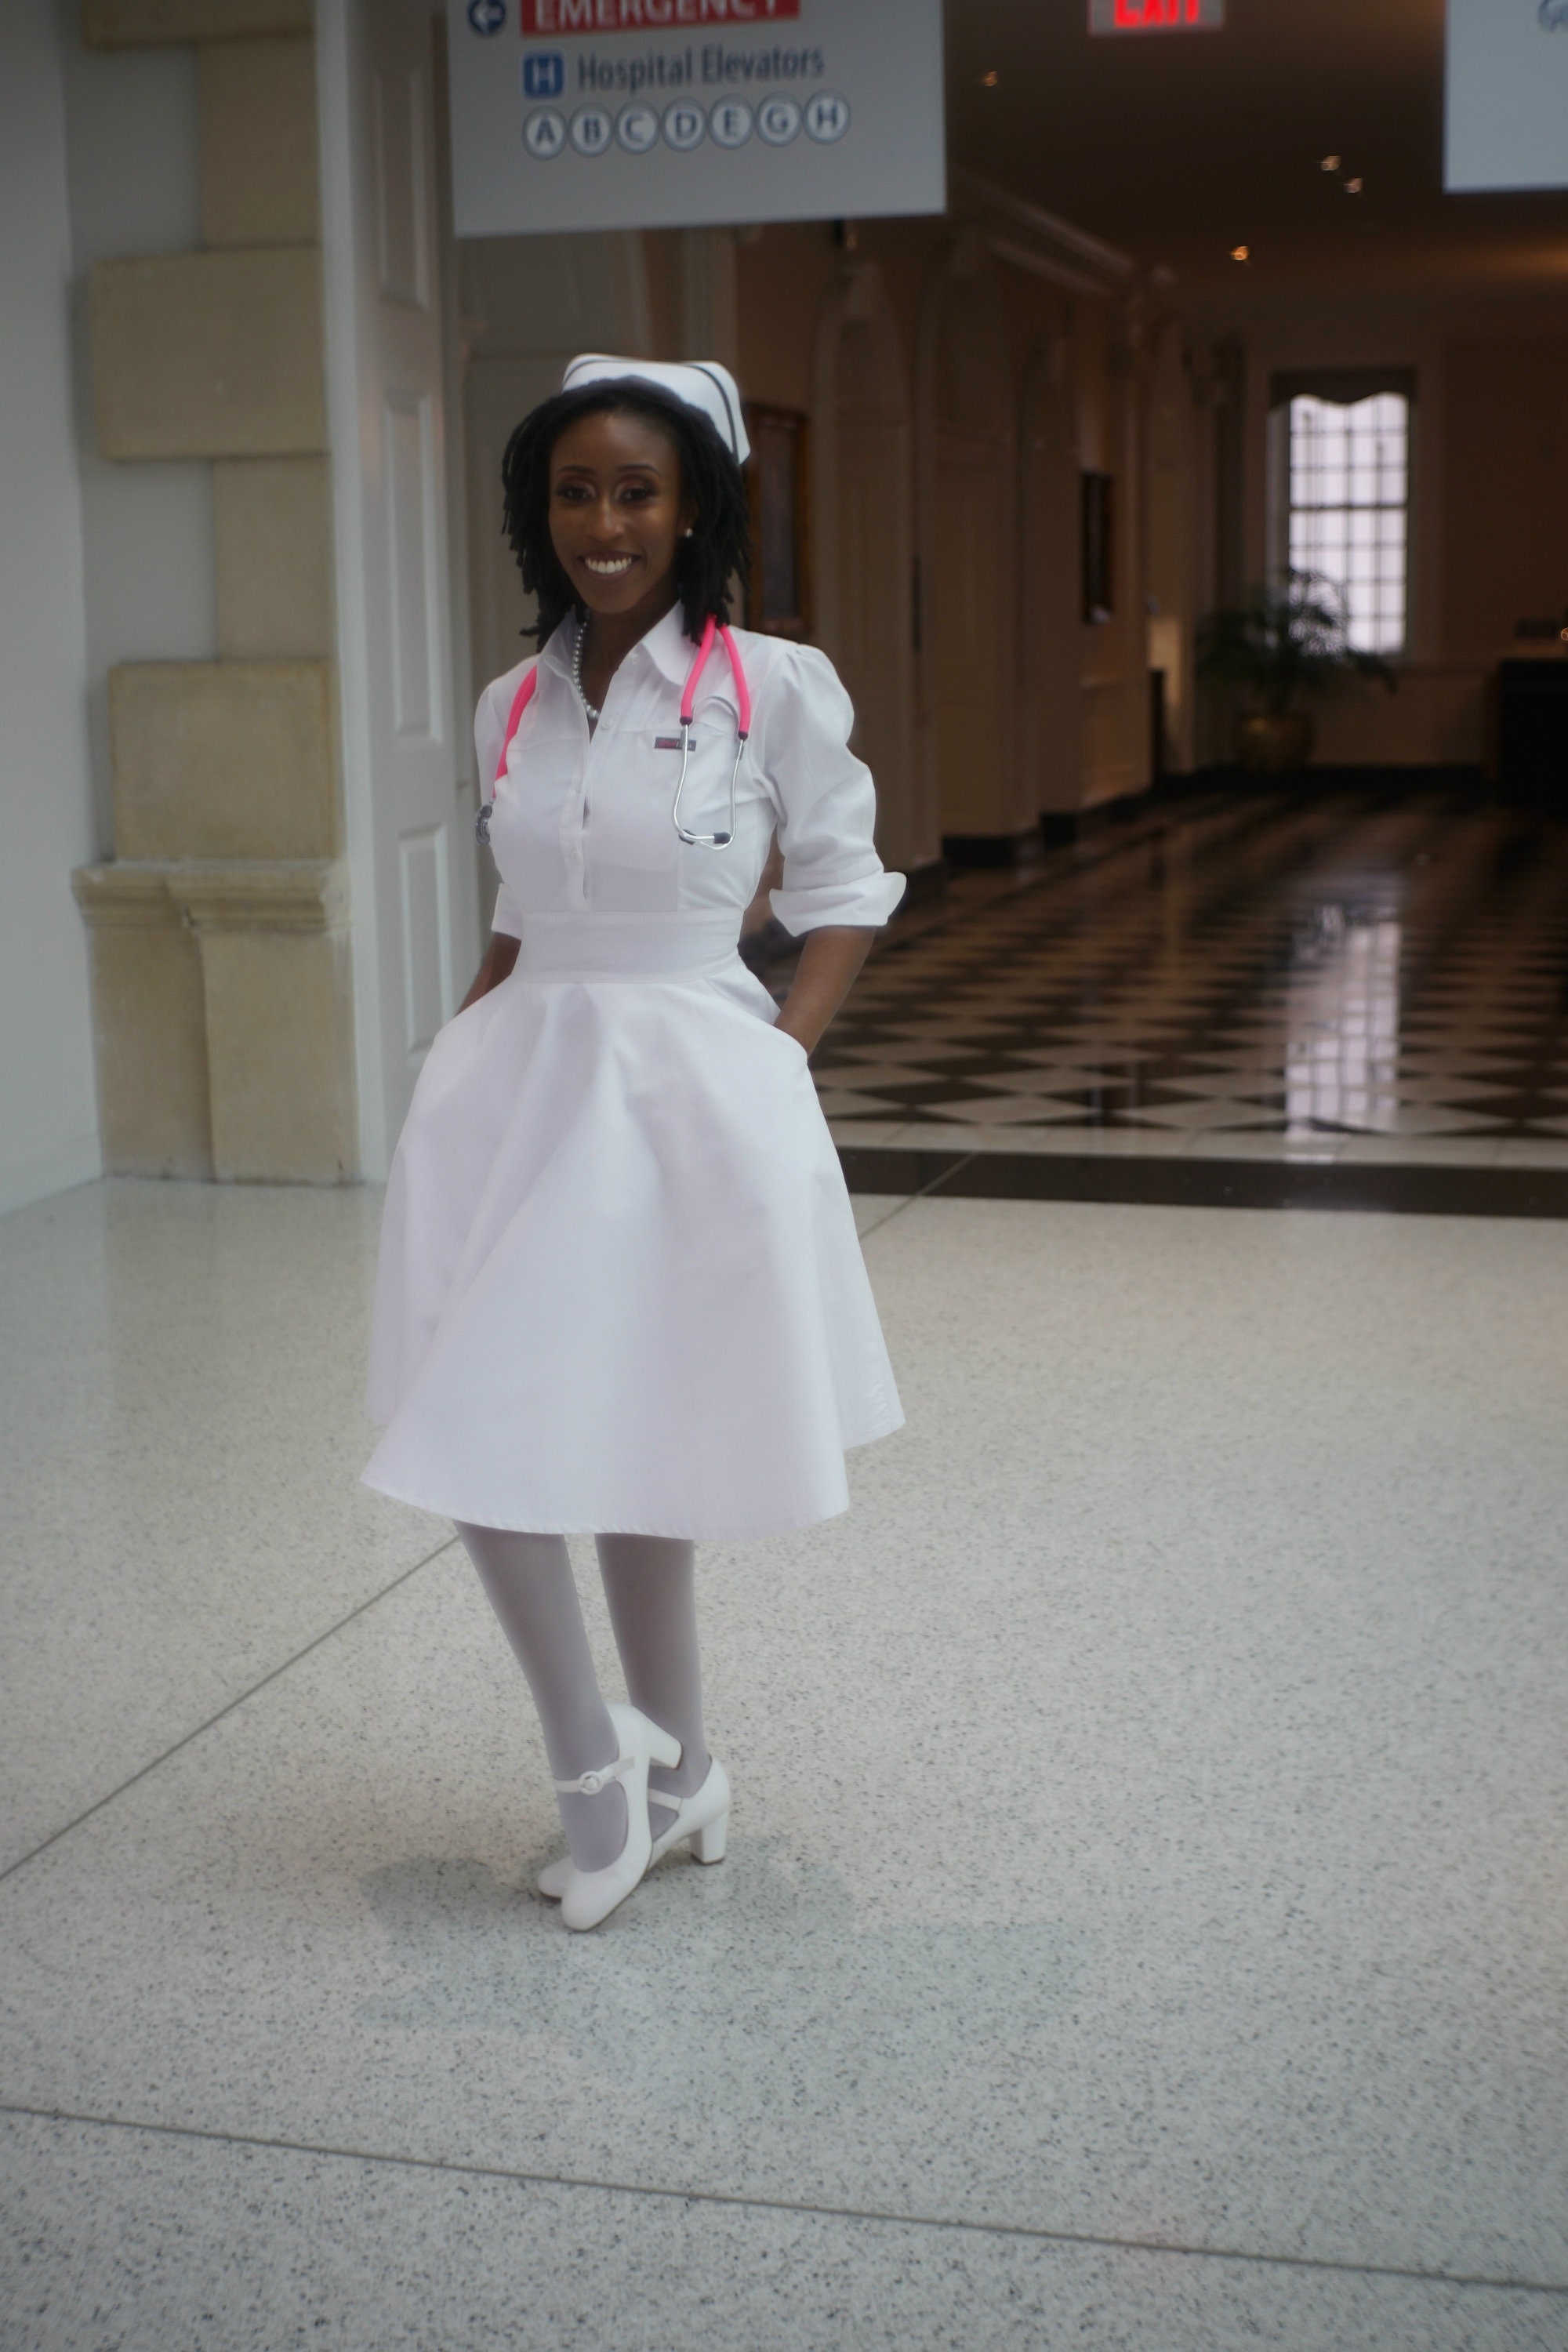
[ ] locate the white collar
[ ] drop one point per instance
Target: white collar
(665, 644)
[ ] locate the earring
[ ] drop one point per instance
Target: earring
(686, 533)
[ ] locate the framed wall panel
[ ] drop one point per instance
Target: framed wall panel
(778, 485)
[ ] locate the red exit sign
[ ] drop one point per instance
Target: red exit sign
(1155, 15)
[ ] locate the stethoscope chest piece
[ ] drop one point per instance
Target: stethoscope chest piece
(704, 840)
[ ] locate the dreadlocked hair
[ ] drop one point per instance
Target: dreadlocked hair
(719, 549)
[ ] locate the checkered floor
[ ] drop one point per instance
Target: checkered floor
(1270, 976)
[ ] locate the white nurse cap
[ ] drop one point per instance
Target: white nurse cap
(701, 384)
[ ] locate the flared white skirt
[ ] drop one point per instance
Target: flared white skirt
(620, 1289)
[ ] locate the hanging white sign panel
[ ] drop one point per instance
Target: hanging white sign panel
(1507, 113)
(575, 115)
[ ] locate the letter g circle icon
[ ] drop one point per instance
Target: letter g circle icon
(487, 16)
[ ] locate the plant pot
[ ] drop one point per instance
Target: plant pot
(1274, 743)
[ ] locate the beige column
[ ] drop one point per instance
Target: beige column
(149, 1018)
(220, 930)
(276, 989)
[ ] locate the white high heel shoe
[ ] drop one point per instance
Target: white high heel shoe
(703, 1817)
(590, 1895)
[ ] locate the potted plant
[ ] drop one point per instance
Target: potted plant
(1278, 643)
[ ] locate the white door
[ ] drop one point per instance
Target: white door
(407, 769)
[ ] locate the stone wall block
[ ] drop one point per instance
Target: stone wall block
(259, 178)
(273, 534)
(218, 759)
(278, 993)
(152, 24)
(150, 1017)
(209, 354)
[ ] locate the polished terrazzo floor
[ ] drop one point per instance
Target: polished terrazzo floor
(1357, 980)
(1145, 1922)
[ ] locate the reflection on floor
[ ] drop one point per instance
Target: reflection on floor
(1144, 1923)
(1335, 980)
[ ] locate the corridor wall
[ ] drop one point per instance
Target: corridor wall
(863, 548)
(967, 523)
(49, 1127)
(1049, 663)
(1007, 352)
(1504, 488)
(1173, 482)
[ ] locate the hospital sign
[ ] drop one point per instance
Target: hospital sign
(582, 114)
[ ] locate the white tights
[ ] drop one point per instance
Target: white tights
(650, 1587)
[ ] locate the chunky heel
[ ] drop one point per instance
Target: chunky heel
(663, 1748)
(700, 1823)
(708, 1844)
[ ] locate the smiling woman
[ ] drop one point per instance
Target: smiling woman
(620, 1289)
(619, 469)
(617, 511)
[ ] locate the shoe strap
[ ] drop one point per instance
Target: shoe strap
(589, 1784)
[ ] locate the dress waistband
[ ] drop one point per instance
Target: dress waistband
(625, 946)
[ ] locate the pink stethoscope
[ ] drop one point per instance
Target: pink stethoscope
(710, 628)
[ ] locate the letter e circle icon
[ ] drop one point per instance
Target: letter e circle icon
(730, 123)
(487, 16)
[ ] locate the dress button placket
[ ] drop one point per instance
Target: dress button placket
(574, 828)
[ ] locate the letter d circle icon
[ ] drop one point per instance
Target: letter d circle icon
(684, 125)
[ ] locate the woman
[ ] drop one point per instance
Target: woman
(620, 1290)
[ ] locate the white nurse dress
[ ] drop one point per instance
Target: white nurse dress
(619, 1288)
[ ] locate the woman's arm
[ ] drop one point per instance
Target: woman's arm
(499, 957)
(829, 961)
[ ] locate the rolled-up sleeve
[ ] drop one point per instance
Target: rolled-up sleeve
(825, 802)
(489, 734)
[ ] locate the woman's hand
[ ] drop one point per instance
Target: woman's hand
(499, 958)
(829, 961)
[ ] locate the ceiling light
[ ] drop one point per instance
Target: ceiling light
(1330, 163)
(989, 81)
(1241, 253)
(1352, 187)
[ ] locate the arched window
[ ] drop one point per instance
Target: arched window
(1343, 466)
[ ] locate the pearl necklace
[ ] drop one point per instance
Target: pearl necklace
(592, 708)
